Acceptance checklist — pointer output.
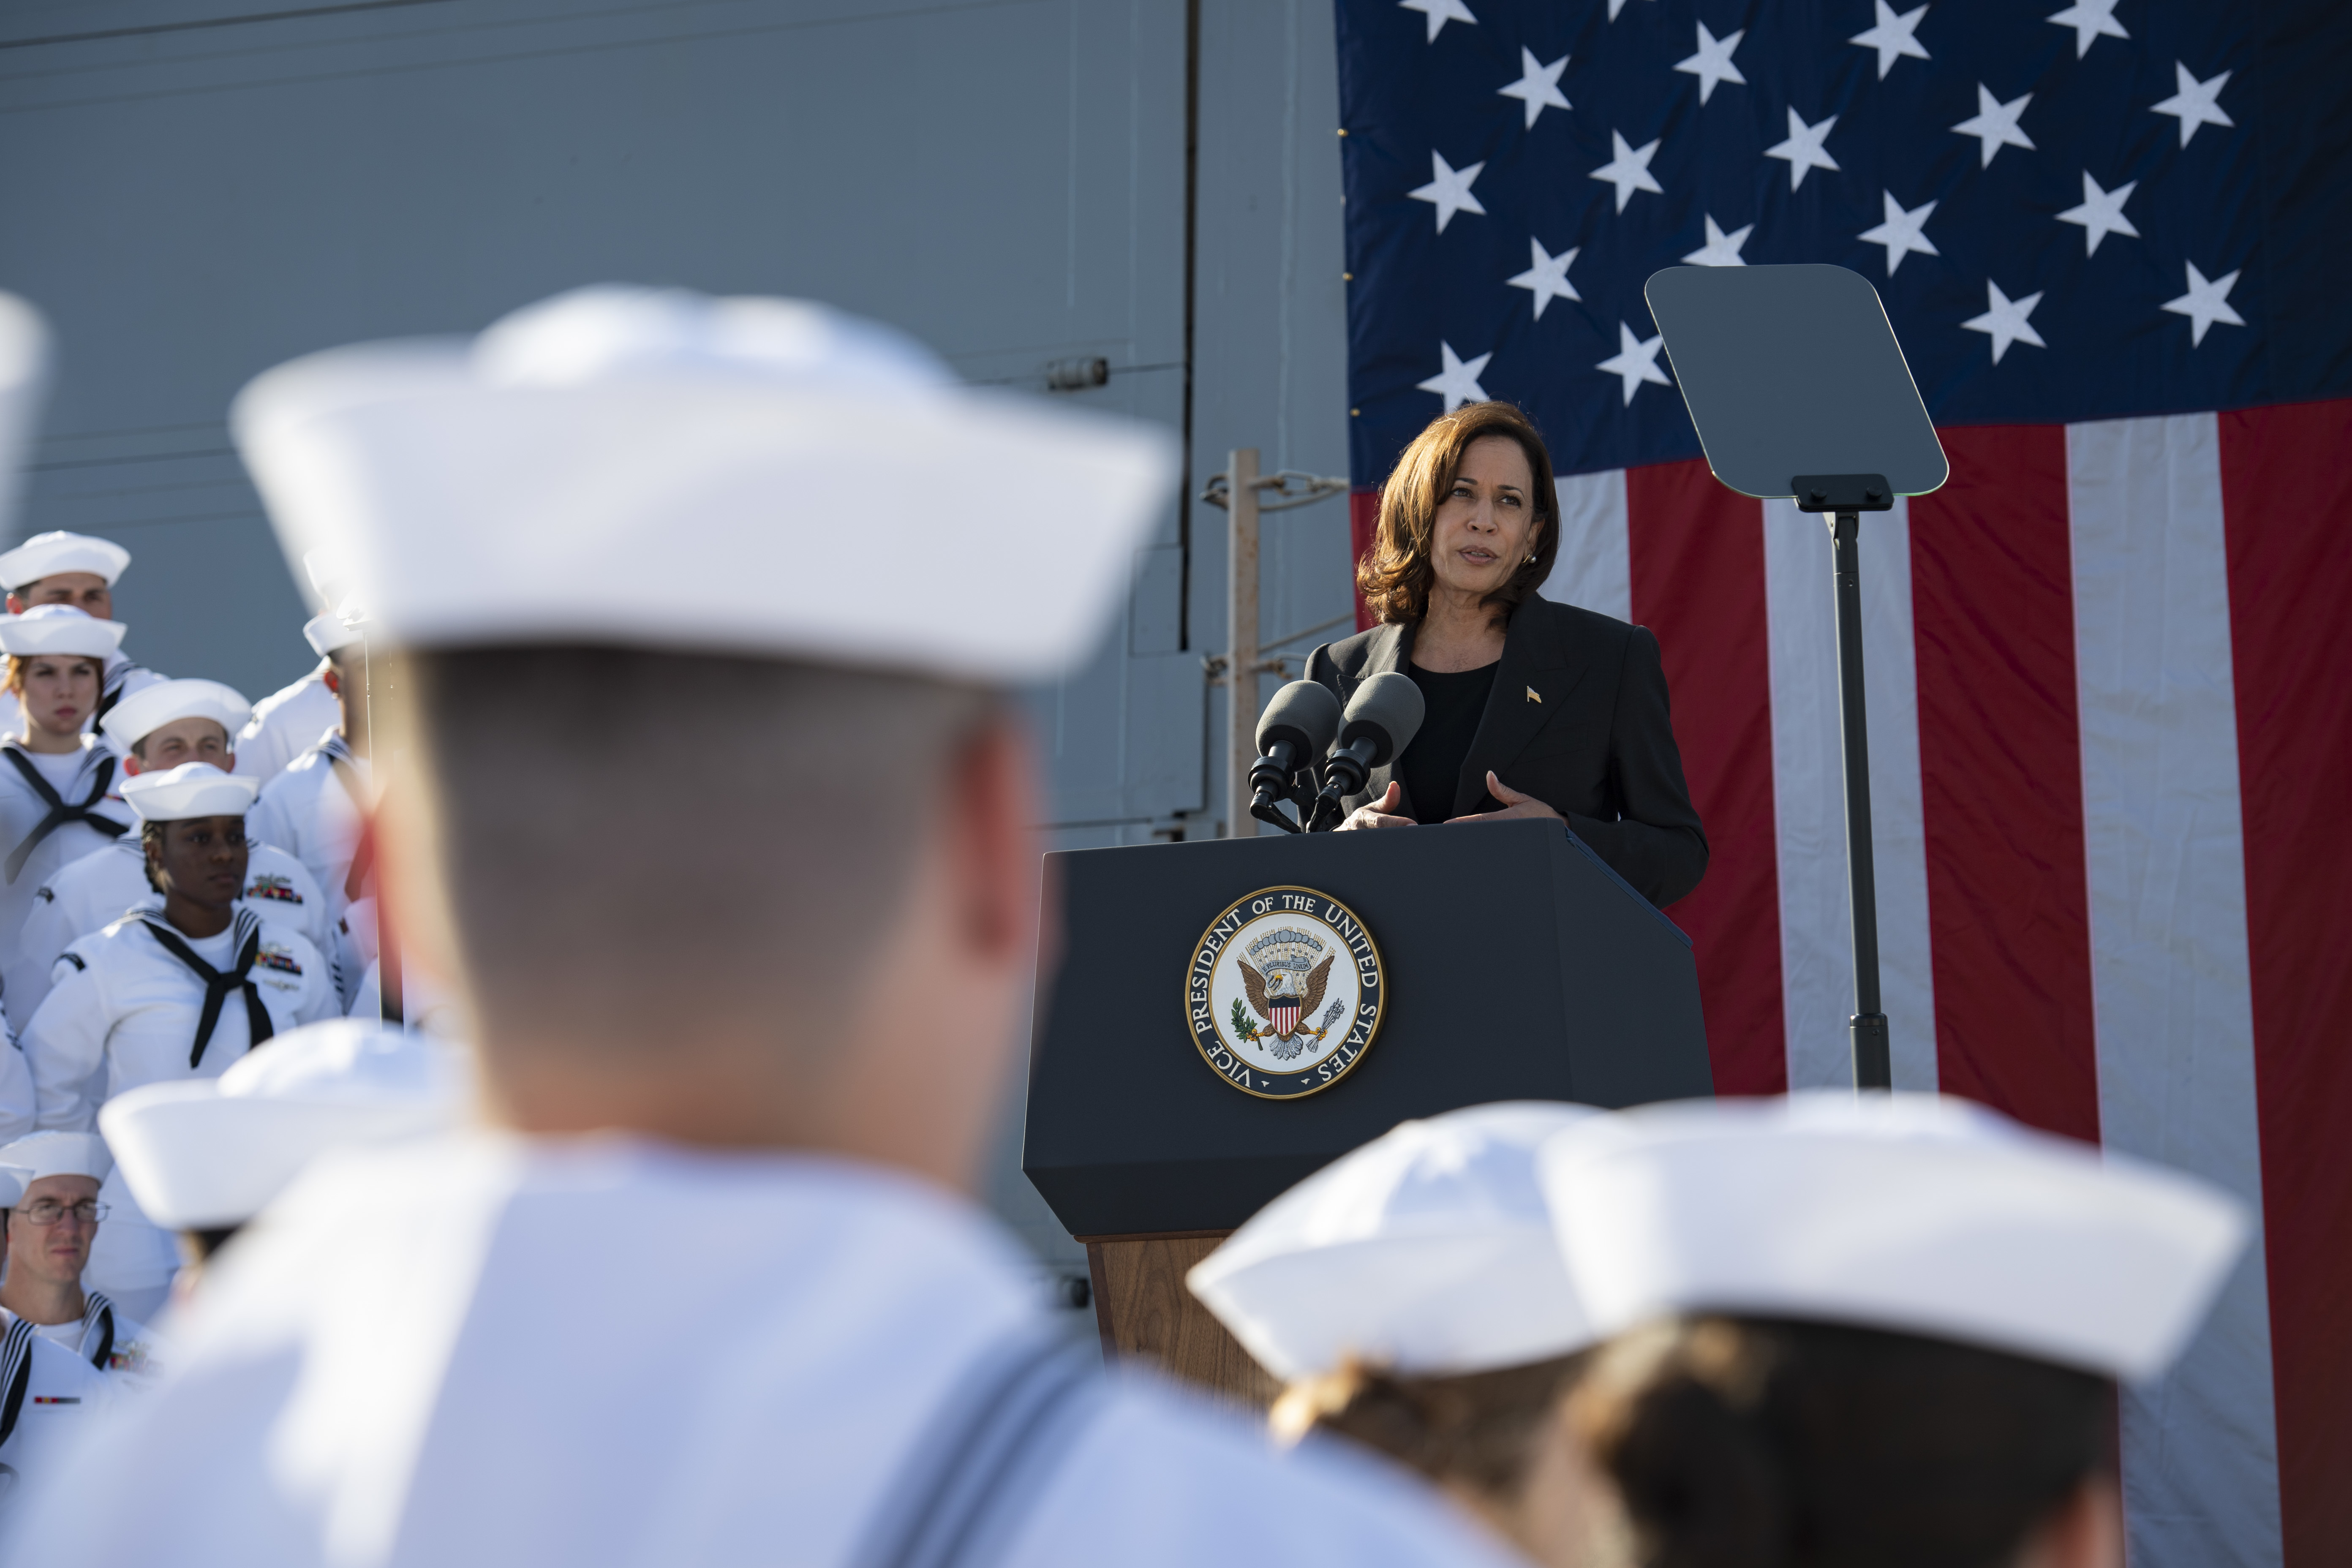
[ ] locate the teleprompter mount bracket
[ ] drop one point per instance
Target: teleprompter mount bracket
(1842, 492)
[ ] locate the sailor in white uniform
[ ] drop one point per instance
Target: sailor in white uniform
(182, 989)
(50, 1230)
(1874, 1328)
(291, 721)
(1411, 1296)
(59, 568)
(783, 1058)
(57, 783)
(50, 1397)
(204, 1156)
(316, 808)
(166, 724)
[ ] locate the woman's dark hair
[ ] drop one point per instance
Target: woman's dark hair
(1758, 1443)
(1478, 1428)
(1395, 574)
(150, 842)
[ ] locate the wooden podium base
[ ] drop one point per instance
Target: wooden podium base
(1142, 1309)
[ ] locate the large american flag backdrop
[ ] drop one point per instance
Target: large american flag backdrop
(2110, 695)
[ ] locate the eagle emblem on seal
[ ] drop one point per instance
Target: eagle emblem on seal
(1285, 983)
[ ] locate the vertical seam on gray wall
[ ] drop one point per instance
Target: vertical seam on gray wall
(1192, 268)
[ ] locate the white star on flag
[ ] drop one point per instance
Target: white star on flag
(2102, 213)
(1901, 232)
(2205, 304)
(1628, 169)
(2005, 321)
(1892, 37)
(1456, 382)
(2090, 19)
(1802, 150)
(1635, 361)
(1712, 64)
(1439, 12)
(1449, 188)
(2194, 104)
(1721, 250)
(1994, 123)
(1538, 85)
(1546, 278)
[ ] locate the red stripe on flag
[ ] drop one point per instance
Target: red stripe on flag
(2287, 505)
(1697, 558)
(2001, 779)
(1363, 520)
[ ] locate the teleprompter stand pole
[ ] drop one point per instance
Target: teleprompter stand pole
(1872, 1066)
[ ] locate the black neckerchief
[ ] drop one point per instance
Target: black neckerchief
(60, 811)
(98, 1316)
(219, 983)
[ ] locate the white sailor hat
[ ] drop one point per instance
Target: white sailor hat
(59, 629)
(1428, 1251)
(843, 499)
(47, 555)
(151, 707)
(199, 1153)
(192, 789)
(1915, 1212)
(39, 1154)
(24, 377)
(14, 1180)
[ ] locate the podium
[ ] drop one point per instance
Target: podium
(1226, 1017)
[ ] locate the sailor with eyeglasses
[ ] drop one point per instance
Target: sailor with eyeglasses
(49, 1394)
(50, 1231)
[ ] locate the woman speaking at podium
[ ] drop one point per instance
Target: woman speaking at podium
(1533, 708)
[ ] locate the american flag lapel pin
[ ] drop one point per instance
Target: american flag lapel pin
(1533, 695)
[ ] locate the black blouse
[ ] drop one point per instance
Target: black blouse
(1452, 705)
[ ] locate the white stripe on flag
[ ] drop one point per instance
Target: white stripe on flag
(1809, 797)
(2165, 867)
(1595, 568)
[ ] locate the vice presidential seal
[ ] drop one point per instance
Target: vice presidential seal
(1285, 992)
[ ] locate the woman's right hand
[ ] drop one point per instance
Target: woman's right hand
(1382, 813)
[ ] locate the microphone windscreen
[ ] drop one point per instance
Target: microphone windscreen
(1389, 704)
(1305, 713)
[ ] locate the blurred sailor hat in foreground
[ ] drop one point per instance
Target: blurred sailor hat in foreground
(55, 1154)
(1427, 1252)
(59, 629)
(842, 498)
(1914, 1213)
(151, 707)
(204, 1154)
(47, 555)
(190, 790)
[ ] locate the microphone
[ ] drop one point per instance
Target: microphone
(1380, 721)
(1297, 728)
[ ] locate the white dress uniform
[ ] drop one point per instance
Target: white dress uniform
(285, 724)
(53, 811)
(312, 812)
(98, 889)
(872, 1323)
(64, 1397)
(126, 1011)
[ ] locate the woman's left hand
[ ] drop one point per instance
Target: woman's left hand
(1514, 804)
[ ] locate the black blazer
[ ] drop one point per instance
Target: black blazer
(1579, 720)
